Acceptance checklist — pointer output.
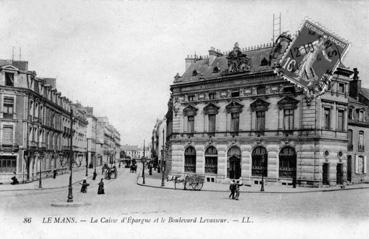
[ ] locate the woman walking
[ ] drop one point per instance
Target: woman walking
(100, 190)
(84, 186)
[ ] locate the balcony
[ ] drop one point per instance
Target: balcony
(361, 148)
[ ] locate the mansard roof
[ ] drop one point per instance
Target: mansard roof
(205, 69)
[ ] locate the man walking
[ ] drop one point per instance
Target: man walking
(232, 188)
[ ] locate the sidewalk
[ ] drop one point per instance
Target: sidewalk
(60, 181)
(155, 181)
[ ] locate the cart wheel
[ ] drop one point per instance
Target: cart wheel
(197, 186)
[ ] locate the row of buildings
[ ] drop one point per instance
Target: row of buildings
(39, 128)
(230, 116)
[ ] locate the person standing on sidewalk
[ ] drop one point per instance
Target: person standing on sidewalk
(94, 175)
(237, 189)
(84, 186)
(101, 190)
(232, 188)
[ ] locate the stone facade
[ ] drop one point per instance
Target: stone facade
(252, 124)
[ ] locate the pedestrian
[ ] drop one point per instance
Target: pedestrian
(84, 185)
(14, 179)
(232, 188)
(237, 189)
(100, 190)
(55, 173)
(94, 175)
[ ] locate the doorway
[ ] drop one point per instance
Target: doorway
(325, 173)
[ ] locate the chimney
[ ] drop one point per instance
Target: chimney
(213, 54)
(189, 60)
(355, 85)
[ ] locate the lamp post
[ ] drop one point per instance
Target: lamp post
(70, 189)
(162, 163)
(143, 164)
(87, 159)
(40, 180)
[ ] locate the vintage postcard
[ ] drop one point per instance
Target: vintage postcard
(184, 119)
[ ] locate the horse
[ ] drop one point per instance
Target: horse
(177, 179)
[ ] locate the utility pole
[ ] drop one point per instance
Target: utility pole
(143, 164)
(162, 163)
(70, 189)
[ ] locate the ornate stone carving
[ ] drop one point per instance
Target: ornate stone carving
(259, 105)
(190, 110)
(234, 107)
(238, 61)
(211, 109)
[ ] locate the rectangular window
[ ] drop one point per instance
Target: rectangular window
(212, 118)
(8, 107)
(8, 164)
(9, 79)
(341, 88)
(191, 98)
(260, 90)
(350, 116)
(235, 94)
(340, 126)
(190, 124)
(288, 119)
(260, 120)
(211, 96)
(211, 164)
(8, 135)
(327, 118)
(361, 141)
(349, 138)
(235, 122)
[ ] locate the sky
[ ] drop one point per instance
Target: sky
(120, 57)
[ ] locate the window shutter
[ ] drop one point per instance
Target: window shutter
(356, 164)
(365, 163)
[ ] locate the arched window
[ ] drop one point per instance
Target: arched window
(211, 160)
(234, 163)
(259, 162)
(190, 160)
(287, 163)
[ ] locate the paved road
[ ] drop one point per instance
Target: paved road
(124, 198)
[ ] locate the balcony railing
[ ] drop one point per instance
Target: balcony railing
(361, 148)
(9, 147)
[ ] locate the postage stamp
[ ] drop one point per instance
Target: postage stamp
(312, 58)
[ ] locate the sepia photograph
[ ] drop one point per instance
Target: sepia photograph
(184, 119)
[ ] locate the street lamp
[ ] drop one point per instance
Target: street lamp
(70, 189)
(87, 159)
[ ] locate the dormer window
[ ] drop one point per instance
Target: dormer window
(9, 79)
(215, 69)
(264, 62)
(235, 94)
(194, 73)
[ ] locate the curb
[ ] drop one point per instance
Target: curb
(225, 191)
(41, 189)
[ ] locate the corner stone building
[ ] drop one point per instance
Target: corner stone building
(230, 116)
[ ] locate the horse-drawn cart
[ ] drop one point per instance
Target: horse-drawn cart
(195, 181)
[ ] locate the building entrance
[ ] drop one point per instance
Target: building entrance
(339, 173)
(234, 163)
(259, 162)
(349, 168)
(325, 173)
(287, 163)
